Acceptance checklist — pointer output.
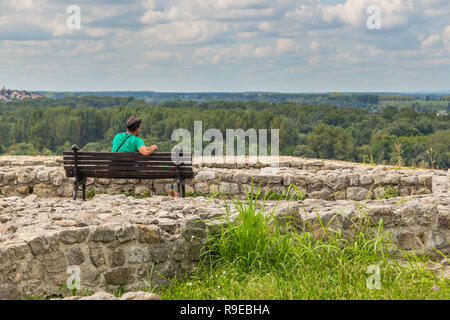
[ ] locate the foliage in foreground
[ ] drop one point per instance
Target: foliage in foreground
(259, 257)
(388, 136)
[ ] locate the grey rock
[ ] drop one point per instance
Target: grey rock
(139, 255)
(103, 234)
(435, 240)
(97, 255)
(119, 276)
(126, 234)
(55, 262)
(357, 193)
(149, 234)
(9, 291)
(140, 296)
(117, 258)
(71, 236)
(75, 256)
(100, 296)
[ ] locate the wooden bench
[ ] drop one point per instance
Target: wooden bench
(127, 165)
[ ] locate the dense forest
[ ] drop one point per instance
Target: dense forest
(373, 101)
(393, 135)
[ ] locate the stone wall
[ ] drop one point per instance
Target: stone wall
(328, 180)
(116, 241)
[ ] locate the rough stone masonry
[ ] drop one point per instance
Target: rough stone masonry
(117, 240)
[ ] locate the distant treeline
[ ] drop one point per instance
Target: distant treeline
(399, 136)
(371, 101)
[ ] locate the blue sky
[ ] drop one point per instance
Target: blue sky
(225, 45)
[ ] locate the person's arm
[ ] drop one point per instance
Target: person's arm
(146, 151)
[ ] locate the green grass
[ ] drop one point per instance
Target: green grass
(260, 257)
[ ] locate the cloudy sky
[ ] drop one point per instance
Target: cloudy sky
(225, 45)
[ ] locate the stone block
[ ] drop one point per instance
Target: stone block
(366, 180)
(324, 194)
(8, 177)
(24, 190)
(140, 296)
(140, 189)
(75, 256)
(55, 262)
(357, 193)
(340, 194)
(435, 240)
(241, 177)
(38, 245)
(119, 276)
(354, 179)
(149, 234)
(126, 234)
(444, 220)
(44, 190)
(103, 234)
(205, 175)
(43, 176)
(201, 187)
(57, 178)
(226, 187)
(425, 179)
(65, 190)
(71, 236)
(409, 181)
(138, 255)
(26, 176)
(9, 291)
(117, 258)
(408, 241)
(194, 229)
(96, 254)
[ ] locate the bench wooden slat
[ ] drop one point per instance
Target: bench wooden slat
(133, 175)
(125, 155)
(122, 163)
(128, 158)
(128, 169)
(166, 154)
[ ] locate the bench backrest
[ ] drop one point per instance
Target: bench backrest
(124, 165)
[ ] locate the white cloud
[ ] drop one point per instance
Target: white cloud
(233, 54)
(187, 32)
(431, 41)
(447, 34)
(354, 13)
(286, 45)
(307, 36)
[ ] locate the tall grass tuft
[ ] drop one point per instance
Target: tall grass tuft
(258, 255)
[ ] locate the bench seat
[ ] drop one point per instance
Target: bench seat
(126, 165)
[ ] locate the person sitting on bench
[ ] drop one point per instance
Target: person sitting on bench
(129, 141)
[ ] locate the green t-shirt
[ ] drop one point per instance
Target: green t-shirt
(131, 145)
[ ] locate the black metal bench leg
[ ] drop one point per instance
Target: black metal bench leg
(178, 181)
(75, 188)
(83, 188)
(179, 187)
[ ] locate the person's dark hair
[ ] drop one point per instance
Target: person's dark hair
(134, 126)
